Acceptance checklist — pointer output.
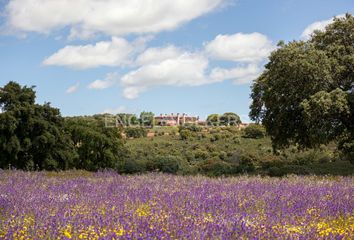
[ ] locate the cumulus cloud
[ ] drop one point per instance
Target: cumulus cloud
(72, 89)
(178, 69)
(320, 25)
(117, 52)
(111, 17)
(240, 47)
(158, 54)
(239, 75)
(172, 66)
(110, 80)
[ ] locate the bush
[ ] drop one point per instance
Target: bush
(255, 131)
(347, 149)
(167, 164)
(215, 167)
(242, 163)
(286, 170)
(133, 132)
(200, 154)
(185, 134)
(215, 137)
(192, 128)
(131, 166)
(276, 172)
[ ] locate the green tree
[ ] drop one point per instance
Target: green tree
(135, 132)
(98, 147)
(31, 135)
(230, 119)
(213, 120)
(305, 81)
(255, 131)
(147, 119)
(127, 119)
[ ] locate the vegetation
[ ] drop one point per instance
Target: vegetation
(106, 205)
(255, 131)
(135, 132)
(305, 95)
(304, 100)
(97, 147)
(227, 119)
(31, 135)
(216, 151)
(147, 119)
(35, 136)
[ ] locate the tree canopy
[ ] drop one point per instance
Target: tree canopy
(226, 119)
(34, 136)
(31, 135)
(305, 94)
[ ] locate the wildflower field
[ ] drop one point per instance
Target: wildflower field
(105, 205)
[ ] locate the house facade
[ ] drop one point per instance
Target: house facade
(175, 119)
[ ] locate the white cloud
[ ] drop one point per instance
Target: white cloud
(72, 89)
(178, 69)
(116, 52)
(239, 75)
(171, 66)
(240, 47)
(111, 17)
(155, 55)
(110, 80)
(320, 25)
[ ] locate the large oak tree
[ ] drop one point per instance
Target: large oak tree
(305, 94)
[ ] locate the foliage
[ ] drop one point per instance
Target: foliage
(215, 167)
(127, 119)
(305, 95)
(192, 128)
(213, 120)
(185, 134)
(31, 135)
(147, 119)
(166, 164)
(230, 119)
(227, 119)
(135, 132)
(254, 131)
(256, 152)
(98, 147)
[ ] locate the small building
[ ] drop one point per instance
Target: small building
(175, 119)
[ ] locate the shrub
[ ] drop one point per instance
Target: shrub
(223, 155)
(254, 131)
(215, 137)
(167, 164)
(192, 128)
(185, 134)
(215, 167)
(132, 166)
(347, 151)
(276, 172)
(200, 154)
(133, 132)
(242, 163)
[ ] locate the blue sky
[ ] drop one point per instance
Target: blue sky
(197, 56)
